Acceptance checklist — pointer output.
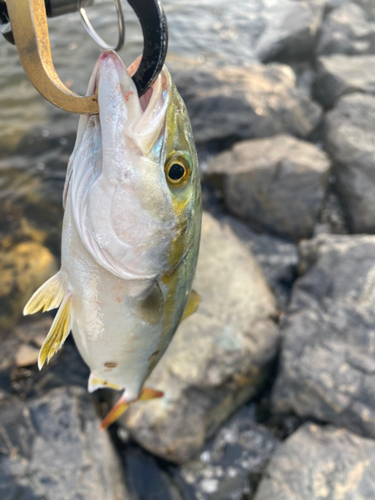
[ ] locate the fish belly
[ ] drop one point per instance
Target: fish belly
(116, 344)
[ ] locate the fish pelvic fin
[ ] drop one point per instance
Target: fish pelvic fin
(98, 383)
(47, 297)
(192, 304)
(59, 330)
(122, 405)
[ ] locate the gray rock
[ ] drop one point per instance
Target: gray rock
(233, 103)
(340, 74)
(229, 467)
(52, 448)
(346, 31)
(320, 463)
(327, 367)
(219, 356)
(290, 32)
(275, 184)
(349, 137)
(276, 257)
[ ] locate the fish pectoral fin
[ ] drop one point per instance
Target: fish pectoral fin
(122, 405)
(59, 330)
(192, 304)
(47, 297)
(150, 308)
(98, 383)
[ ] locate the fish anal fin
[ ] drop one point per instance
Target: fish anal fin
(192, 304)
(99, 383)
(59, 330)
(149, 308)
(122, 405)
(47, 297)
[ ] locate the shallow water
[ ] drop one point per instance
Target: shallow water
(36, 138)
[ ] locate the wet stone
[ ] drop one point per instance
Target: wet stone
(23, 269)
(341, 74)
(349, 139)
(276, 184)
(320, 463)
(346, 31)
(52, 448)
(229, 466)
(230, 104)
(327, 368)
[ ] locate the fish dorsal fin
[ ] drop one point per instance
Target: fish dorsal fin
(47, 297)
(149, 308)
(59, 330)
(192, 304)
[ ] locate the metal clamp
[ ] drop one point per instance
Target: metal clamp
(29, 29)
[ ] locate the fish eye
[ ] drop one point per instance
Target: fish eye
(177, 171)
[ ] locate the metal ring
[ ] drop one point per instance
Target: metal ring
(90, 30)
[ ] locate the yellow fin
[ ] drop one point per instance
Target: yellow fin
(98, 383)
(47, 297)
(59, 330)
(122, 405)
(192, 304)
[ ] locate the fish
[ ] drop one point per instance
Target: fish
(131, 234)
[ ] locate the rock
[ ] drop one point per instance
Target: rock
(276, 257)
(276, 184)
(340, 74)
(219, 356)
(27, 355)
(231, 104)
(229, 467)
(23, 269)
(52, 448)
(346, 31)
(320, 462)
(349, 138)
(290, 31)
(327, 367)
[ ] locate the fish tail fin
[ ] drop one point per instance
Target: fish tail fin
(123, 404)
(47, 297)
(59, 330)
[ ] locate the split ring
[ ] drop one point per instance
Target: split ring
(99, 40)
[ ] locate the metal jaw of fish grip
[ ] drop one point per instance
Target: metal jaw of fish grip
(29, 29)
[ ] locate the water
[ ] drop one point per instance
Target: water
(36, 138)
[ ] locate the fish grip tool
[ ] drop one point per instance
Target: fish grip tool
(24, 22)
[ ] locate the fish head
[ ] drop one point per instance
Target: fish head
(133, 179)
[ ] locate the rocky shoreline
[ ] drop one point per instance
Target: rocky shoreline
(269, 387)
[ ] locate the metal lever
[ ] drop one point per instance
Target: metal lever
(29, 28)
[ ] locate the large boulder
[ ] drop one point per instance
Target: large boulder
(242, 103)
(23, 269)
(349, 138)
(346, 31)
(290, 30)
(276, 184)
(320, 463)
(52, 448)
(327, 367)
(219, 356)
(341, 74)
